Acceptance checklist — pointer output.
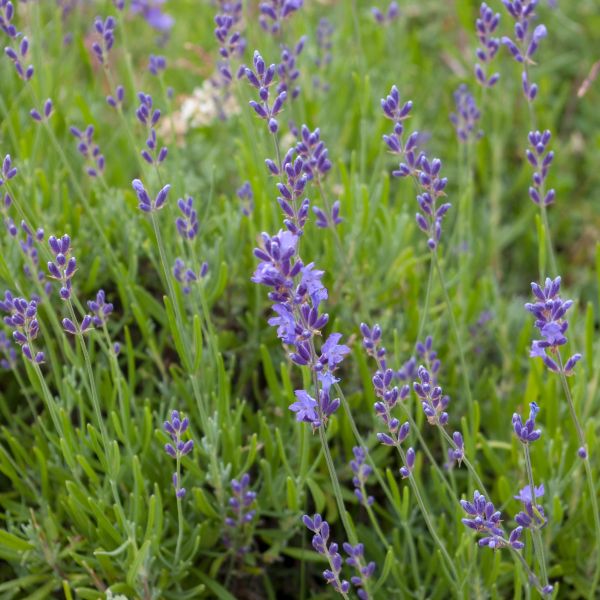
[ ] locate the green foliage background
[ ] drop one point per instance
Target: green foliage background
(62, 534)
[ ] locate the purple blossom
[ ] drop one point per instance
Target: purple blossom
(274, 12)
(467, 115)
(7, 12)
(116, 101)
(243, 512)
(315, 156)
(262, 78)
(145, 203)
(186, 276)
(45, 114)
(486, 25)
(63, 267)
(245, 194)
(152, 13)
(540, 159)
(177, 448)
(89, 150)
(18, 55)
(156, 64)
(533, 516)
(371, 343)
(149, 117)
(323, 59)
(387, 17)
(100, 309)
(526, 432)
(187, 224)
(363, 569)
(106, 30)
(320, 542)
(486, 520)
(433, 400)
(9, 360)
(287, 71)
(22, 319)
(361, 471)
(305, 408)
(549, 311)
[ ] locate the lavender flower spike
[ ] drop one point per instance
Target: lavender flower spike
(486, 25)
(361, 471)
(466, 116)
(242, 508)
(320, 540)
(145, 203)
(177, 448)
(527, 432)
(22, 319)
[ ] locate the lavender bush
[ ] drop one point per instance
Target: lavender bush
(267, 322)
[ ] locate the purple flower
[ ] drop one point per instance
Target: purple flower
(332, 353)
(245, 194)
(177, 448)
(363, 569)
(89, 150)
(485, 519)
(19, 55)
(156, 64)
(100, 309)
(541, 159)
(187, 276)
(274, 12)
(262, 78)
(149, 117)
(153, 15)
(466, 116)
(7, 12)
(390, 15)
(243, 512)
(287, 71)
(116, 101)
(305, 408)
(361, 471)
(549, 311)
(533, 517)
(187, 225)
(6, 348)
(320, 542)
(63, 267)
(324, 44)
(106, 30)
(145, 203)
(22, 319)
(486, 25)
(45, 114)
(433, 400)
(526, 432)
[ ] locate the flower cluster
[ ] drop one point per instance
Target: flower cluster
(549, 311)
(63, 267)
(116, 101)
(262, 78)
(145, 203)
(149, 117)
(29, 248)
(467, 115)
(526, 432)
(315, 156)
(19, 55)
(371, 343)
(245, 194)
(177, 448)
(106, 30)
(320, 541)
(433, 400)
(540, 159)
(527, 39)
(22, 319)
(297, 291)
(7, 172)
(363, 570)
(485, 519)
(230, 43)
(156, 64)
(100, 309)
(361, 471)
(274, 12)
(287, 71)
(387, 17)
(388, 399)
(291, 190)
(242, 505)
(152, 13)
(486, 25)
(533, 516)
(187, 276)
(187, 225)
(10, 356)
(324, 55)
(89, 150)
(45, 114)
(7, 12)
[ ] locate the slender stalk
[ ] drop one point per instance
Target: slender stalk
(429, 522)
(179, 514)
(425, 311)
(461, 354)
(588, 472)
(538, 543)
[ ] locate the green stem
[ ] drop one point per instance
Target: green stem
(179, 513)
(463, 364)
(538, 543)
(425, 311)
(429, 522)
(588, 471)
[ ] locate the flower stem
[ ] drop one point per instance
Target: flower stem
(538, 543)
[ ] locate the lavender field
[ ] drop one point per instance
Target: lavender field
(300, 299)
